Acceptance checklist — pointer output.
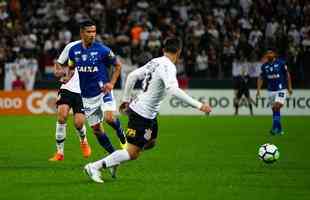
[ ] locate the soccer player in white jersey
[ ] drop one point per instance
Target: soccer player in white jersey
(69, 97)
(159, 79)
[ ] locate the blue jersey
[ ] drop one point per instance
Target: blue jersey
(92, 64)
(275, 73)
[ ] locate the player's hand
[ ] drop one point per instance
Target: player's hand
(67, 76)
(123, 108)
(257, 93)
(59, 72)
(205, 108)
(107, 88)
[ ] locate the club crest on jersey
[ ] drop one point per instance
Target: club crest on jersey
(84, 57)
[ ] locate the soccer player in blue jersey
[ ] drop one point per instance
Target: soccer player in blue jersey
(274, 72)
(91, 60)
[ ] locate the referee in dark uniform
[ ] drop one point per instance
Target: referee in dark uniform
(241, 86)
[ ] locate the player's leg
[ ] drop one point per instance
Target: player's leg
(111, 161)
(102, 138)
(279, 99)
(250, 105)
(94, 116)
(140, 131)
(79, 120)
(132, 152)
(79, 123)
(276, 119)
(114, 122)
(237, 101)
(151, 143)
(109, 108)
(62, 115)
(249, 100)
(63, 107)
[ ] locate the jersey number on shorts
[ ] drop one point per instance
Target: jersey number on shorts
(146, 82)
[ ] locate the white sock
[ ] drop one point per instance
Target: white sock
(81, 133)
(116, 158)
(60, 137)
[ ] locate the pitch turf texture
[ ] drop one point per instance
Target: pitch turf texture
(195, 158)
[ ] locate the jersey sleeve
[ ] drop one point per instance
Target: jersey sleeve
(284, 68)
(71, 61)
(109, 57)
(138, 74)
(168, 76)
(176, 91)
(64, 56)
(262, 72)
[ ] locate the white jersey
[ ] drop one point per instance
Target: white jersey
(159, 79)
(73, 85)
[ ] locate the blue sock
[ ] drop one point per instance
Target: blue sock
(105, 142)
(116, 125)
(276, 121)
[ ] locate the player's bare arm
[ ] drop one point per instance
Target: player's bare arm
(117, 71)
(68, 72)
(289, 84)
(59, 70)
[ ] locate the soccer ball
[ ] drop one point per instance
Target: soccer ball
(268, 153)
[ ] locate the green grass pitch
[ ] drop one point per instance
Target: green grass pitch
(195, 158)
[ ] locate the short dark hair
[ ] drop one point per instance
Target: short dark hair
(172, 45)
(86, 23)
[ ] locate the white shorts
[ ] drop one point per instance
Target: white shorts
(277, 96)
(95, 107)
(109, 102)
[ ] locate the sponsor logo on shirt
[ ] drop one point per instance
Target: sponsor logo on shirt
(87, 69)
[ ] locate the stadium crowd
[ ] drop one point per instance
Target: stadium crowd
(217, 34)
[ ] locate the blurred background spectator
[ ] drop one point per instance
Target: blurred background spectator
(18, 84)
(214, 32)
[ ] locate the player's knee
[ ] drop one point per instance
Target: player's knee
(109, 118)
(133, 155)
(62, 113)
(96, 129)
(78, 123)
(236, 101)
(276, 107)
(133, 151)
(62, 119)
